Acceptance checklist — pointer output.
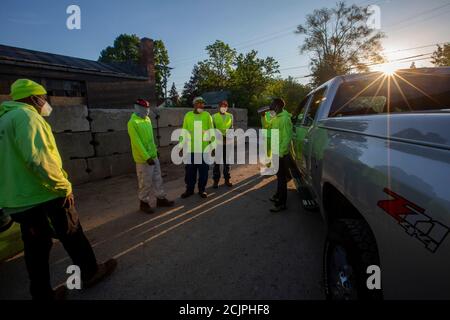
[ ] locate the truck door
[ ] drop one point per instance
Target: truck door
(299, 131)
(308, 121)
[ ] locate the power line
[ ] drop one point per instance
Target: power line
(417, 15)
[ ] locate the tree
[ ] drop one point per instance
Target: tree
(251, 77)
(339, 41)
(126, 48)
(413, 65)
(290, 90)
(217, 68)
(162, 69)
(192, 87)
(441, 56)
(174, 94)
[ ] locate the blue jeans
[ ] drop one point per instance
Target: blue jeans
(190, 177)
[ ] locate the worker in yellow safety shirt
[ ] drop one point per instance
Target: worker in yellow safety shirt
(145, 155)
(197, 144)
(222, 121)
(36, 193)
(281, 121)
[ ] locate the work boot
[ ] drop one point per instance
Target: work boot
(163, 203)
(187, 194)
(203, 194)
(103, 271)
(228, 183)
(145, 207)
(216, 184)
(274, 198)
(278, 208)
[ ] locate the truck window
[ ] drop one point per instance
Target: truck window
(405, 91)
(297, 117)
(316, 101)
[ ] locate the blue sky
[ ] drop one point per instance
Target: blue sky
(188, 26)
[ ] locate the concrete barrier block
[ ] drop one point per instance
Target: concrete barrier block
(241, 125)
(110, 166)
(172, 117)
(105, 120)
(122, 164)
(165, 154)
(109, 143)
(77, 170)
(69, 119)
(74, 145)
(239, 115)
(164, 136)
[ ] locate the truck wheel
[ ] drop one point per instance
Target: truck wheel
(349, 249)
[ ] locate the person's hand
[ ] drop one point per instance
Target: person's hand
(151, 162)
(69, 202)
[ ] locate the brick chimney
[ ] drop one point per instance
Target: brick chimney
(147, 60)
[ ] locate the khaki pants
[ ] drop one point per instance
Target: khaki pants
(150, 181)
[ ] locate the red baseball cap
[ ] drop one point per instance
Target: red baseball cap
(142, 103)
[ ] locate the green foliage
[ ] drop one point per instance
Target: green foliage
(340, 41)
(441, 56)
(162, 70)
(290, 90)
(217, 69)
(126, 49)
(245, 75)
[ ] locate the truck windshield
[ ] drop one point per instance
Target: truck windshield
(405, 91)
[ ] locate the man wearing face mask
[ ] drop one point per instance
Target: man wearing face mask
(222, 121)
(145, 155)
(203, 118)
(281, 121)
(36, 193)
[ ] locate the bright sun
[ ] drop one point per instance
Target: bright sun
(388, 69)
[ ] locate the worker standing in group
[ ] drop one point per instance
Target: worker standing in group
(145, 155)
(37, 194)
(222, 121)
(196, 144)
(281, 121)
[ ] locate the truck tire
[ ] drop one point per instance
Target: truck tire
(350, 248)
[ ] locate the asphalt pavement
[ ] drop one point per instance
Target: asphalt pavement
(228, 246)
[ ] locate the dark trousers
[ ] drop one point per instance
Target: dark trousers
(190, 177)
(282, 177)
(37, 234)
(226, 166)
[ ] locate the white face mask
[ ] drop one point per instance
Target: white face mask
(141, 111)
(223, 110)
(273, 114)
(46, 110)
(199, 110)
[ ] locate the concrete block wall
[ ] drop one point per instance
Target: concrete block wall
(94, 143)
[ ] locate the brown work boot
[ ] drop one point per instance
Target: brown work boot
(103, 271)
(145, 207)
(163, 203)
(228, 183)
(216, 184)
(203, 194)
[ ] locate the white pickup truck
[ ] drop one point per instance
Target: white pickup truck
(373, 152)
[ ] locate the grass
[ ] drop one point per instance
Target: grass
(10, 242)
